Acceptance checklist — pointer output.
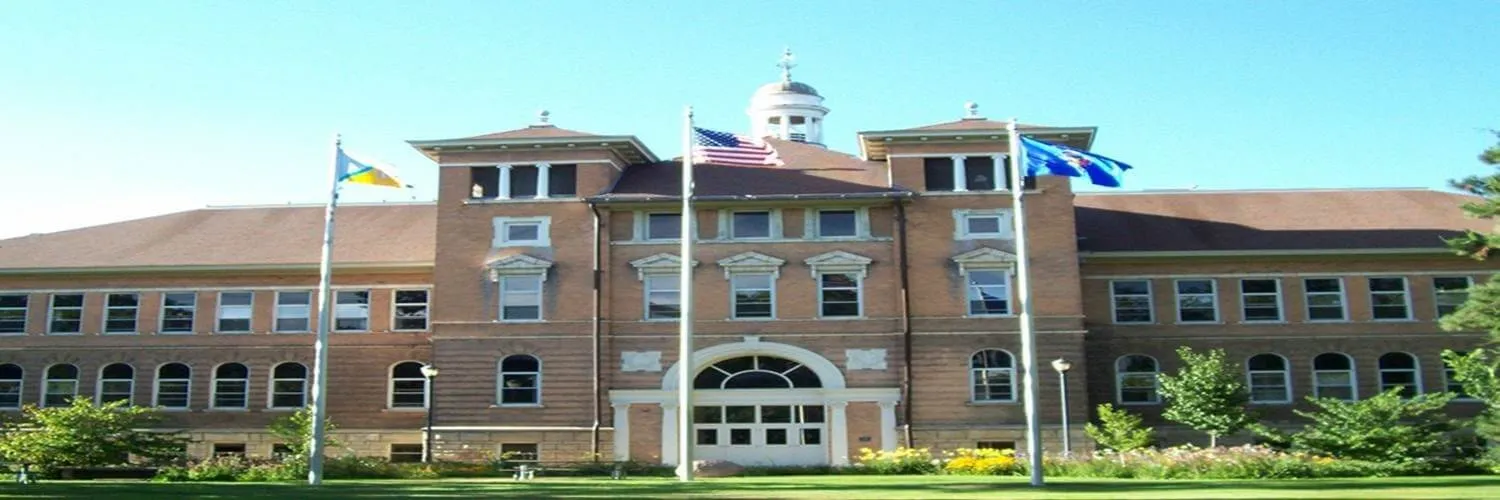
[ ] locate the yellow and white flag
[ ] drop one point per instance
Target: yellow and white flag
(356, 171)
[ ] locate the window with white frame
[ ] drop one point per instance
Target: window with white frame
(839, 295)
(116, 383)
(1388, 299)
(410, 313)
(66, 315)
(1197, 301)
(408, 385)
(1454, 386)
(988, 292)
(1135, 379)
(60, 386)
(231, 389)
(750, 225)
(1333, 376)
(1450, 292)
(289, 385)
(1270, 379)
(520, 298)
(174, 386)
(235, 309)
(663, 296)
(177, 311)
(837, 224)
(1399, 369)
(120, 312)
(12, 379)
(982, 224)
(754, 295)
(992, 376)
(663, 226)
(1260, 300)
(1324, 299)
(522, 232)
(293, 312)
(520, 380)
(351, 311)
(13, 313)
(1132, 301)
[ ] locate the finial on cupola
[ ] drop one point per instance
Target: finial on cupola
(542, 117)
(786, 65)
(971, 110)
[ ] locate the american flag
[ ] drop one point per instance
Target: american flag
(724, 148)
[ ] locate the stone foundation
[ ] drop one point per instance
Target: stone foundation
(937, 440)
(552, 446)
(259, 443)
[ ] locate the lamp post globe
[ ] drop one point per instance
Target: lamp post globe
(1062, 365)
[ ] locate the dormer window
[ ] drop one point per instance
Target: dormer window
(969, 173)
(524, 182)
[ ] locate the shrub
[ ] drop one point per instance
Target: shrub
(1383, 428)
(357, 467)
(1206, 394)
(900, 461)
(982, 461)
(86, 435)
(1119, 430)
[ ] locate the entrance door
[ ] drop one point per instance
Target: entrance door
(761, 434)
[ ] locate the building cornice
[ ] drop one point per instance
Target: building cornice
(1174, 254)
(873, 144)
(633, 149)
(361, 266)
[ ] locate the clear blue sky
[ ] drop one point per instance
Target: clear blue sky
(115, 110)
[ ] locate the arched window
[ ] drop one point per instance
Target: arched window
(289, 385)
(116, 383)
(1333, 376)
(1399, 369)
(1270, 382)
(60, 386)
(174, 385)
(1135, 379)
(757, 372)
(992, 376)
(231, 386)
(11, 378)
(408, 386)
(520, 380)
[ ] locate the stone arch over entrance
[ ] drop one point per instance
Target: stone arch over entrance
(828, 373)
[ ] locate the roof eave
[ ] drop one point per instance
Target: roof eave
(430, 148)
(870, 139)
(607, 199)
(191, 268)
(1162, 254)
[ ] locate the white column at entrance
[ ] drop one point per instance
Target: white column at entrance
(543, 175)
(504, 187)
(622, 431)
(838, 441)
(669, 433)
(960, 175)
(888, 425)
(998, 164)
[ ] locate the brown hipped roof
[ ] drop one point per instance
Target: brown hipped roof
(399, 234)
(809, 170)
(531, 132)
(971, 124)
(1270, 220)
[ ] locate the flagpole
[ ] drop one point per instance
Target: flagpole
(320, 346)
(685, 320)
(1023, 297)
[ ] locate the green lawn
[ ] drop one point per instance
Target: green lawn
(862, 487)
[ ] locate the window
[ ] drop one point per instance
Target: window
(293, 311)
(174, 386)
(177, 310)
(13, 313)
(1399, 369)
(484, 182)
(60, 386)
(1454, 386)
(406, 453)
(520, 298)
(1333, 376)
(234, 311)
(995, 445)
(938, 173)
(408, 385)
(520, 380)
(410, 310)
(519, 453)
(117, 383)
(837, 224)
(992, 376)
(1388, 299)
(1325, 299)
(11, 379)
(982, 224)
(67, 313)
(663, 226)
(1260, 299)
(1197, 301)
(229, 450)
(120, 311)
(280, 451)
(838, 295)
(1449, 292)
(523, 181)
(231, 386)
(747, 225)
(663, 297)
(979, 173)
(351, 312)
(289, 385)
(1132, 301)
(562, 180)
(1135, 378)
(989, 292)
(522, 232)
(754, 296)
(1270, 382)
(757, 372)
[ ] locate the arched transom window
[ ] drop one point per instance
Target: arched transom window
(1135, 377)
(1270, 382)
(757, 372)
(1399, 369)
(1333, 376)
(992, 376)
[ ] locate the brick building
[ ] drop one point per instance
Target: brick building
(843, 300)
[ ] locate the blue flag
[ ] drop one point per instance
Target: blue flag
(1052, 159)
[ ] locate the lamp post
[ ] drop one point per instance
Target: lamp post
(430, 373)
(1062, 366)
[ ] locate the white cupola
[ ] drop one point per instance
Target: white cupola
(786, 109)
